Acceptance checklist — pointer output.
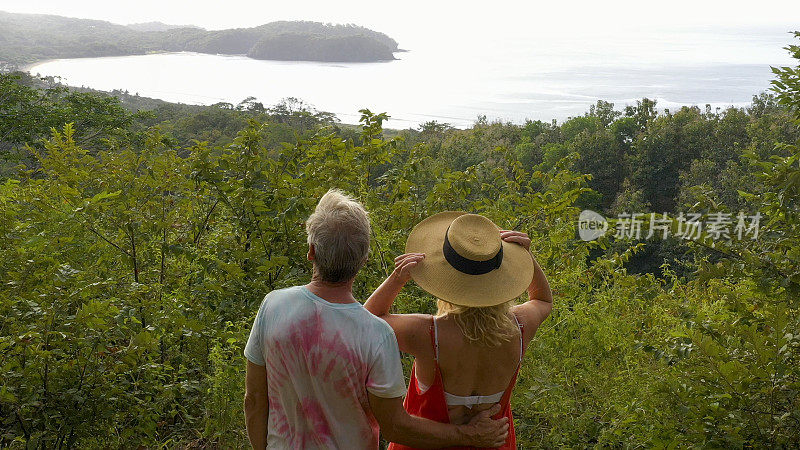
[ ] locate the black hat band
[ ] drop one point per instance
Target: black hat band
(470, 266)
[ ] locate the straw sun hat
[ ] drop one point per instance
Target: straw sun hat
(466, 262)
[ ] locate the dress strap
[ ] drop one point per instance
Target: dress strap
(435, 340)
(521, 329)
(434, 330)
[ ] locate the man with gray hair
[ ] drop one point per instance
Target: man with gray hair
(323, 372)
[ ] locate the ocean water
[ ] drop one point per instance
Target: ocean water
(454, 79)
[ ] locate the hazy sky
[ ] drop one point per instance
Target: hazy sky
(413, 19)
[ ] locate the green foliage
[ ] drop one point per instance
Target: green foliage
(28, 114)
(787, 82)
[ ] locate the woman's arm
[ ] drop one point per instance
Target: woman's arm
(533, 312)
(410, 329)
(380, 302)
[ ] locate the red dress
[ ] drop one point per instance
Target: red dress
(432, 404)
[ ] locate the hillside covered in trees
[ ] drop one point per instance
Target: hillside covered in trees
(136, 244)
(26, 38)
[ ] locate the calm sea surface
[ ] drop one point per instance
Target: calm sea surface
(455, 81)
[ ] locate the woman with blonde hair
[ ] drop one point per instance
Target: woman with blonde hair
(468, 355)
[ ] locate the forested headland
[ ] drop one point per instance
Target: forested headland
(27, 38)
(137, 239)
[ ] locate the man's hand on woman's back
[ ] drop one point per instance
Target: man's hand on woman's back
(400, 427)
(483, 431)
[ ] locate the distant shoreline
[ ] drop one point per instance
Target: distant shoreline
(28, 66)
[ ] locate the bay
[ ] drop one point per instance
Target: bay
(456, 79)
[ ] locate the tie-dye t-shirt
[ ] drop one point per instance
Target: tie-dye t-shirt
(321, 359)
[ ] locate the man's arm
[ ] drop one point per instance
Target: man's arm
(400, 427)
(256, 405)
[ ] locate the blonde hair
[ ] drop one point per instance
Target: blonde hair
(339, 231)
(490, 326)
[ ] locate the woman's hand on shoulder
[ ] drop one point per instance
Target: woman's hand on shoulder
(517, 237)
(403, 265)
(380, 302)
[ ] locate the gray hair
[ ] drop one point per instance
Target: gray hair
(339, 231)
